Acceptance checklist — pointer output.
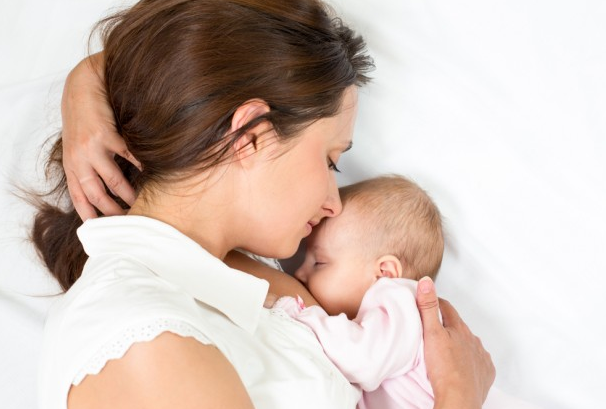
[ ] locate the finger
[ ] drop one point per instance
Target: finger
(116, 144)
(131, 158)
(270, 300)
(110, 173)
(83, 207)
(427, 303)
(93, 188)
(450, 316)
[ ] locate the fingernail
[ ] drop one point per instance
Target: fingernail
(426, 285)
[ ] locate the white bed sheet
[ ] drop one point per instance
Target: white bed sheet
(498, 109)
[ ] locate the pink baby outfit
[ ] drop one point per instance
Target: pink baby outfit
(381, 350)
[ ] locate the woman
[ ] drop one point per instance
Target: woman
(225, 104)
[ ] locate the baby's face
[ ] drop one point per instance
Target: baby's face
(335, 270)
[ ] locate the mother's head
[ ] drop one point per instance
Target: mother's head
(254, 95)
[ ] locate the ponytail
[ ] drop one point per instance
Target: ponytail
(54, 235)
(54, 231)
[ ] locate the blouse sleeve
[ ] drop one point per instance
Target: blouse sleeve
(108, 311)
(384, 339)
(141, 332)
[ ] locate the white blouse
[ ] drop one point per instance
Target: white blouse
(143, 278)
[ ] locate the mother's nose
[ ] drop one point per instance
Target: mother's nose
(332, 205)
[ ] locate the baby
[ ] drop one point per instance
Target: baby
(361, 267)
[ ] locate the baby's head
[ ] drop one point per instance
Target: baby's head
(389, 227)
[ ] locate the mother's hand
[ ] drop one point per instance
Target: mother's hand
(90, 142)
(459, 368)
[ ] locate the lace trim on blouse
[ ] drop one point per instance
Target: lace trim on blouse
(143, 332)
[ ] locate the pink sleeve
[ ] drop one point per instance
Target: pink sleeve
(292, 306)
(382, 342)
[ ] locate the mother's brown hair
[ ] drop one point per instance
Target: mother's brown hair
(176, 71)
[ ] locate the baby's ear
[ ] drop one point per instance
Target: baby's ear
(390, 266)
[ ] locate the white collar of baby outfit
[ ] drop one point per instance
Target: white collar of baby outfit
(178, 259)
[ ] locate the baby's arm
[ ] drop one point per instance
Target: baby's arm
(384, 339)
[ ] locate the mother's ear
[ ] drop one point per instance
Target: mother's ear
(252, 109)
(389, 266)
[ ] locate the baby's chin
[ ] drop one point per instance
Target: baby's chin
(333, 309)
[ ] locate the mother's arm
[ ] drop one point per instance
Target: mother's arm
(280, 283)
(168, 372)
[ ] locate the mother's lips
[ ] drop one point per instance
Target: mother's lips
(313, 223)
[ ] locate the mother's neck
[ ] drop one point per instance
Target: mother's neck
(200, 208)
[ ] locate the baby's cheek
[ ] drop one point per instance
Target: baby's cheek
(324, 294)
(313, 288)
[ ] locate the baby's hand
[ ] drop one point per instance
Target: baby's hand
(270, 300)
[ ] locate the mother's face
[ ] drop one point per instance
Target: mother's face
(299, 188)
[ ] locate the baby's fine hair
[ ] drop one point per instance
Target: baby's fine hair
(401, 219)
